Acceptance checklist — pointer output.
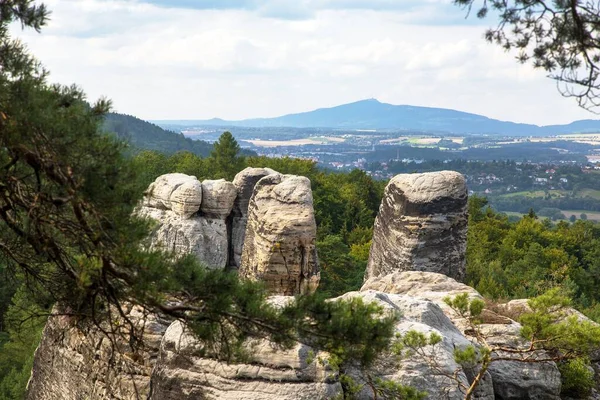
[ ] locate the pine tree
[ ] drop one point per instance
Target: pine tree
(559, 37)
(225, 157)
(67, 229)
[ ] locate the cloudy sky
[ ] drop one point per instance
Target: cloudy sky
(234, 59)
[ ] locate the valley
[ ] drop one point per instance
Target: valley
(537, 167)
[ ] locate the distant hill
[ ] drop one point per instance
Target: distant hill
(372, 114)
(147, 136)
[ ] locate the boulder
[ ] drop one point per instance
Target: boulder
(421, 226)
(279, 247)
(187, 198)
(178, 192)
(218, 198)
(244, 183)
(515, 380)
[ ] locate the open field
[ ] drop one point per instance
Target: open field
(296, 142)
(587, 138)
(425, 141)
(555, 194)
(395, 140)
(421, 140)
(592, 215)
(593, 193)
(538, 193)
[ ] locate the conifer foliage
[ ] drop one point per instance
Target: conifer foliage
(69, 234)
(559, 37)
(225, 157)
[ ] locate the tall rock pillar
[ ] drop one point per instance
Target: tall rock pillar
(421, 226)
(279, 246)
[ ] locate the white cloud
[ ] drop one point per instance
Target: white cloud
(161, 63)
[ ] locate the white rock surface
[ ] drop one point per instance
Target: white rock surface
(511, 379)
(423, 316)
(205, 238)
(72, 364)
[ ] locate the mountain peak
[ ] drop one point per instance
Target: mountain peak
(372, 114)
(371, 100)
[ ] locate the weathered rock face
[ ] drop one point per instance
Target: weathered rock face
(271, 375)
(244, 182)
(515, 380)
(426, 285)
(73, 363)
(206, 238)
(177, 192)
(275, 374)
(279, 247)
(511, 380)
(218, 197)
(417, 370)
(421, 226)
(193, 220)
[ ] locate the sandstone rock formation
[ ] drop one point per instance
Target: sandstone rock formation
(177, 192)
(193, 220)
(74, 363)
(279, 247)
(244, 182)
(425, 316)
(421, 226)
(217, 198)
(511, 379)
(270, 375)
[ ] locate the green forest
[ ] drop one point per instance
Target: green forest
(70, 242)
(505, 259)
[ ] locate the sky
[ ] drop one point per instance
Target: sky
(236, 59)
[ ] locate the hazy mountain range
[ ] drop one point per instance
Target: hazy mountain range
(372, 114)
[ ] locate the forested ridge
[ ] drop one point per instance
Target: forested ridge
(143, 135)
